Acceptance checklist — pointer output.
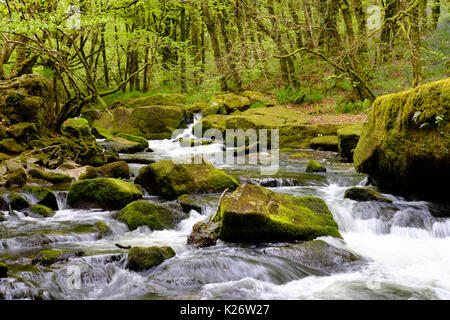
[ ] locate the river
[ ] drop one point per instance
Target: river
(403, 248)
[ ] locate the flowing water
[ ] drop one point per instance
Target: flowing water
(403, 249)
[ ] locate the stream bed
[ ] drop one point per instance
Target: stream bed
(401, 250)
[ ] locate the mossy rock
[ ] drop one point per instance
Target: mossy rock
(189, 202)
(141, 141)
(348, 140)
(325, 143)
(140, 259)
(102, 228)
(151, 122)
(232, 102)
(204, 235)
(17, 202)
(44, 196)
(16, 178)
(119, 169)
(101, 133)
(49, 257)
(160, 99)
(314, 166)
(107, 193)
(76, 127)
(121, 145)
(254, 96)
(41, 210)
(52, 177)
(170, 180)
(23, 131)
(89, 173)
(11, 146)
(256, 214)
(3, 270)
(141, 213)
(365, 194)
(405, 144)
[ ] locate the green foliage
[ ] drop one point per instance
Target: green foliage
(353, 107)
(290, 95)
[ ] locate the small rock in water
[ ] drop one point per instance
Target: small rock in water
(365, 194)
(314, 166)
(48, 257)
(140, 259)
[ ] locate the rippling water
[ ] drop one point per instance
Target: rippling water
(403, 249)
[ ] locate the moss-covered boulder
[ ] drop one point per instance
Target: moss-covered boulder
(11, 146)
(314, 166)
(325, 143)
(232, 102)
(170, 180)
(405, 145)
(348, 140)
(16, 178)
(49, 257)
(159, 99)
(41, 210)
(140, 259)
(17, 202)
(256, 214)
(89, 173)
(107, 193)
(141, 213)
(119, 169)
(3, 270)
(102, 228)
(101, 133)
(52, 177)
(23, 131)
(141, 141)
(150, 122)
(365, 194)
(43, 195)
(121, 145)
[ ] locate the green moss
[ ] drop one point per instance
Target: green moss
(141, 213)
(3, 270)
(101, 133)
(141, 141)
(400, 152)
(16, 178)
(11, 146)
(118, 169)
(158, 99)
(348, 139)
(256, 214)
(42, 210)
(52, 177)
(101, 227)
(326, 143)
(23, 130)
(90, 173)
(299, 155)
(145, 258)
(17, 202)
(170, 180)
(314, 166)
(105, 193)
(49, 257)
(121, 145)
(365, 194)
(44, 196)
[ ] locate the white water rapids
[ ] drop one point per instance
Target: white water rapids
(404, 249)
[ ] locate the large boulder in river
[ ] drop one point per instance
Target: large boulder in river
(170, 180)
(405, 145)
(256, 214)
(150, 122)
(107, 193)
(142, 213)
(140, 259)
